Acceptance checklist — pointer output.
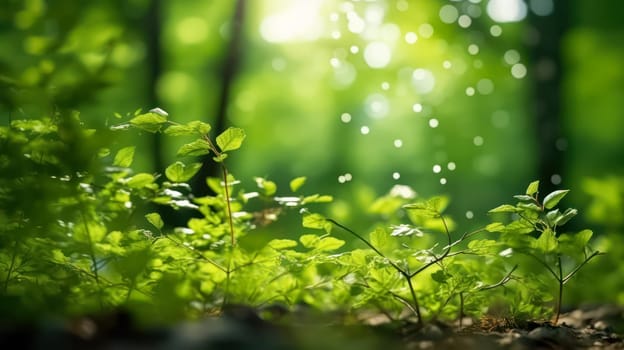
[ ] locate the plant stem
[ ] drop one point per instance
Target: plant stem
(560, 299)
(416, 306)
(10, 271)
(93, 258)
(228, 205)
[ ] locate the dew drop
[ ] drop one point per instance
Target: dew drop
(437, 168)
(396, 175)
(451, 166)
(417, 107)
(470, 91)
(433, 123)
(345, 117)
(469, 214)
(398, 143)
(364, 130)
(348, 176)
(443, 181)
(385, 85)
(447, 64)
(341, 179)
(354, 49)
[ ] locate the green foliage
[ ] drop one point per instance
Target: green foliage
(92, 241)
(533, 231)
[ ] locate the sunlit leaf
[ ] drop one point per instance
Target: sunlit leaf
(316, 221)
(231, 139)
(151, 122)
(124, 157)
(495, 227)
(553, 198)
(547, 242)
(278, 244)
(329, 243)
(405, 230)
(566, 216)
(140, 180)
(179, 172)
(316, 198)
(309, 241)
(532, 189)
(268, 187)
(505, 208)
(379, 238)
(296, 183)
(198, 147)
(155, 219)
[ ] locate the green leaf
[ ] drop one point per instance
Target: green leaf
(309, 241)
(296, 183)
(179, 130)
(198, 147)
(268, 187)
(220, 158)
(151, 122)
(495, 227)
(505, 208)
(523, 197)
(530, 206)
(231, 139)
(583, 237)
(140, 180)
(483, 246)
(439, 276)
(547, 242)
(193, 128)
(553, 198)
(329, 243)
(432, 207)
(278, 244)
(316, 221)
(379, 238)
(179, 172)
(532, 189)
(316, 198)
(566, 216)
(155, 219)
(124, 157)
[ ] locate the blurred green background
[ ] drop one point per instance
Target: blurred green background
(471, 98)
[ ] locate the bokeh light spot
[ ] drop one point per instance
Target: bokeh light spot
(507, 10)
(377, 54)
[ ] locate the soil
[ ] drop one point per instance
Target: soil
(599, 327)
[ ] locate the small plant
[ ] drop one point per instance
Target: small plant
(534, 230)
(395, 246)
(79, 233)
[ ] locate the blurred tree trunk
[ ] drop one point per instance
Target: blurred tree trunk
(154, 63)
(546, 68)
(229, 66)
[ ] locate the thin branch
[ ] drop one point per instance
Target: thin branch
(198, 253)
(571, 274)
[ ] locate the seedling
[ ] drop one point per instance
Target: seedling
(534, 231)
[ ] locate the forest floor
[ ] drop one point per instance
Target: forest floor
(241, 328)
